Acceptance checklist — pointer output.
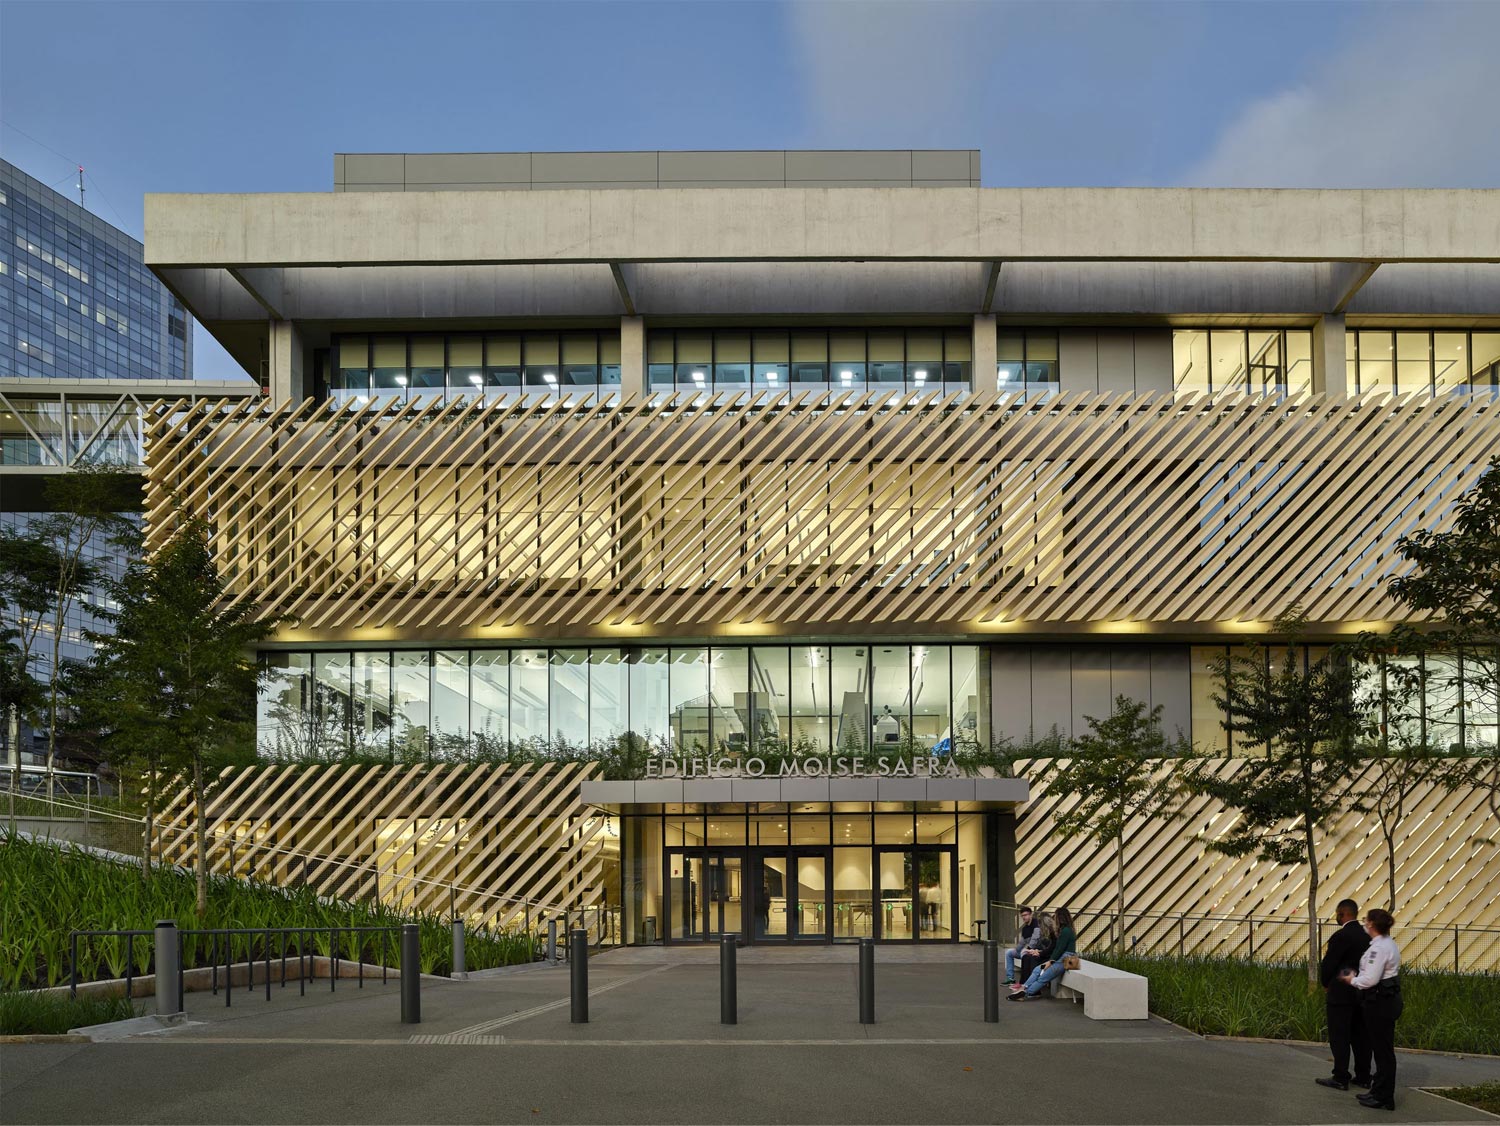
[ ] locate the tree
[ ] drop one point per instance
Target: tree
(1302, 720)
(1401, 760)
(1455, 577)
(27, 566)
(179, 668)
(1116, 769)
(85, 511)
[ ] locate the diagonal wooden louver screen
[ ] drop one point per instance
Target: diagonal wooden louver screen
(863, 513)
(498, 843)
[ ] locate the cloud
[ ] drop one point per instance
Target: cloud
(890, 73)
(1408, 102)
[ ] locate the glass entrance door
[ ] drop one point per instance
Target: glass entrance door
(916, 887)
(766, 894)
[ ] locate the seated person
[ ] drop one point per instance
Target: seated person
(1026, 943)
(1065, 944)
(1036, 954)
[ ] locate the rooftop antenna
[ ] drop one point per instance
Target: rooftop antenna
(80, 185)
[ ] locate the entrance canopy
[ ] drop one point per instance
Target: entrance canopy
(627, 797)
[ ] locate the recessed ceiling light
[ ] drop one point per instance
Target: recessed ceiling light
(549, 377)
(401, 380)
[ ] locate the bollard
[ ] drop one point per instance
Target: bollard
(991, 981)
(578, 972)
(168, 969)
(867, 981)
(552, 941)
(411, 973)
(459, 969)
(728, 987)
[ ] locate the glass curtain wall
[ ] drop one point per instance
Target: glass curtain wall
(1242, 361)
(445, 703)
(420, 366)
(895, 871)
(813, 359)
(1435, 364)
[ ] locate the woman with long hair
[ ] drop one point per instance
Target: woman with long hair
(1064, 944)
(1032, 956)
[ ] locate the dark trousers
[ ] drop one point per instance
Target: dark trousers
(1381, 1008)
(1346, 1036)
(1029, 963)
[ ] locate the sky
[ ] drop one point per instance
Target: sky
(253, 97)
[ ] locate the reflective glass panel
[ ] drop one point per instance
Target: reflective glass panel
(282, 717)
(607, 695)
(649, 708)
(890, 681)
(489, 683)
(689, 700)
(849, 695)
(931, 723)
(528, 695)
(450, 703)
(410, 681)
(1376, 367)
(853, 893)
(1413, 365)
(811, 710)
(729, 690)
(770, 701)
(569, 698)
(370, 702)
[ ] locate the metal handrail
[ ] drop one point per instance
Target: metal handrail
(524, 902)
(1184, 919)
(223, 938)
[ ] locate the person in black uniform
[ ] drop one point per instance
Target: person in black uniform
(1346, 1028)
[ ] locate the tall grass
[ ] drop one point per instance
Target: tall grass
(37, 1013)
(1232, 997)
(47, 891)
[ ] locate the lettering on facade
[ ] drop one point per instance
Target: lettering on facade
(841, 766)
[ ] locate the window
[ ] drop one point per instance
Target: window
(461, 364)
(801, 360)
(1387, 362)
(450, 703)
(1027, 364)
(1242, 361)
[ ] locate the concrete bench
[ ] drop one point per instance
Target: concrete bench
(1108, 993)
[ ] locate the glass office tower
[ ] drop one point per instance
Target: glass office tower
(76, 298)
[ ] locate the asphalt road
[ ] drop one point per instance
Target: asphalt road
(501, 1049)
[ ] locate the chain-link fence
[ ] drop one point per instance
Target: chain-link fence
(1260, 938)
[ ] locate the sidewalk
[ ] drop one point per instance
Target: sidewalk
(500, 1048)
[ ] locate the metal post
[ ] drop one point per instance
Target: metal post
(168, 953)
(867, 981)
(729, 1002)
(1455, 948)
(411, 973)
(1181, 936)
(578, 972)
(991, 981)
(552, 941)
(1252, 938)
(458, 949)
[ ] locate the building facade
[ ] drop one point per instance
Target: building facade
(88, 335)
(808, 487)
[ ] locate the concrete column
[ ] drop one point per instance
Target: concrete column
(1329, 359)
(288, 378)
(632, 356)
(984, 352)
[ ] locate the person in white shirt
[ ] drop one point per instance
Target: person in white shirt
(1379, 981)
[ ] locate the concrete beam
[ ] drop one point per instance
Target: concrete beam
(618, 272)
(265, 286)
(1348, 279)
(823, 224)
(987, 302)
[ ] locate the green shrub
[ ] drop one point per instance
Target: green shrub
(47, 891)
(39, 1014)
(1232, 997)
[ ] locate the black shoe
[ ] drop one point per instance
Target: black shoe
(1363, 1084)
(1336, 1084)
(1021, 996)
(1373, 1103)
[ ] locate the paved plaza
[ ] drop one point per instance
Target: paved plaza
(500, 1048)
